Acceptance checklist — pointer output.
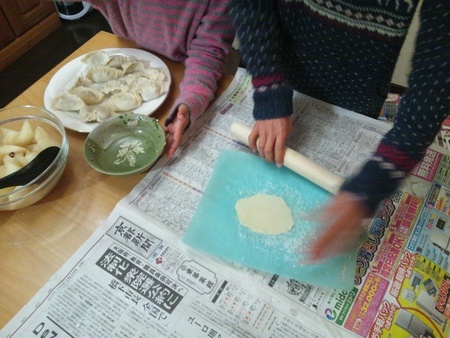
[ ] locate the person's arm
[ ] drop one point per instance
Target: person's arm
(204, 65)
(175, 129)
(258, 30)
(422, 110)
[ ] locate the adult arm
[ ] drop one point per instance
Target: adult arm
(206, 53)
(258, 29)
(422, 110)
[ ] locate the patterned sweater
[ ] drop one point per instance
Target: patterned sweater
(197, 33)
(344, 52)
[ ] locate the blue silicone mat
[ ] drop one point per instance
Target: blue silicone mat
(215, 226)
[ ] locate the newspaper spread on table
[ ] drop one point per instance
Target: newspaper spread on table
(136, 278)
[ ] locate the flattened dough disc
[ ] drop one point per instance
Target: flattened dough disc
(215, 227)
(265, 214)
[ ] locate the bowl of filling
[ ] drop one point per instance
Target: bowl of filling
(125, 144)
(33, 155)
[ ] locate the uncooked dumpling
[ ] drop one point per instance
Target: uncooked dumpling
(266, 214)
(133, 79)
(103, 74)
(96, 58)
(116, 82)
(126, 101)
(155, 73)
(104, 112)
(114, 87)
(88, 114)
(150, 90)
(88, 95)
(96, 113)
(117, 60)
(77, 82)
(132, 66)
(67, 101)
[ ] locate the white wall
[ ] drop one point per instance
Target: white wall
(403, 66)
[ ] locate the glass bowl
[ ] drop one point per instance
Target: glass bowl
(24, 132)
(125, 145)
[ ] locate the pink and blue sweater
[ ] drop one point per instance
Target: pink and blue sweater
(344, 52)
(197, 33)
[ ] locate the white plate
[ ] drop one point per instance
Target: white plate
(68, 72)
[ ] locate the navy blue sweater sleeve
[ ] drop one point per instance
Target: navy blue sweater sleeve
(421, 112)
(258, 29)
(342, 48)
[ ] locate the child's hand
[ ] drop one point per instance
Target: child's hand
(174, 130)
(342, 227)
(268, 137)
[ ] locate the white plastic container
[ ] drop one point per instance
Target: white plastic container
(72, 10)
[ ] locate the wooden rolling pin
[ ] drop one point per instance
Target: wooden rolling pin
(296, 162)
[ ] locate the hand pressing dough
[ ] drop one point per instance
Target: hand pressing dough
(266, 214)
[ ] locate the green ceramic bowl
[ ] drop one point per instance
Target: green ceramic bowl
(124, 145)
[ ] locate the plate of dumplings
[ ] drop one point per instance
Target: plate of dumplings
(105, 83)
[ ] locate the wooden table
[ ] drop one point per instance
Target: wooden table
(37, 240)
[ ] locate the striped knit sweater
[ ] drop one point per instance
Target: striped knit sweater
(196, 32)
(344, 52)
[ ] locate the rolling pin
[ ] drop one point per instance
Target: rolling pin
(296, 162)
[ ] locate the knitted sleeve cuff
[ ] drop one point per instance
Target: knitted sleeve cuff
(372, 184)
(272, 102)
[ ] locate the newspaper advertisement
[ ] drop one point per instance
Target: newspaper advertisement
(401, 286)
(136, 278)
(133, 278)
